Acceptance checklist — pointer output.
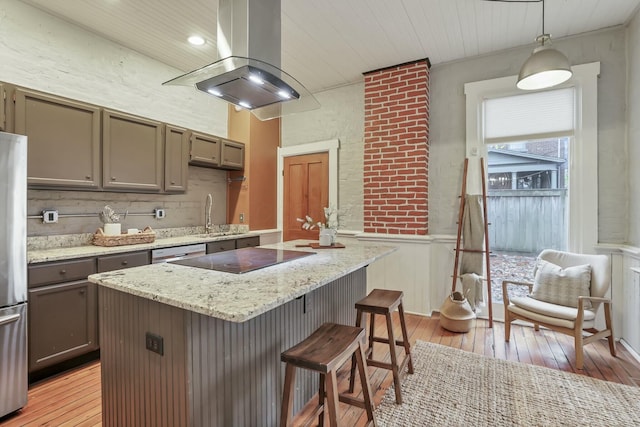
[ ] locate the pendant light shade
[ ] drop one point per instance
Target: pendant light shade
(546, 67)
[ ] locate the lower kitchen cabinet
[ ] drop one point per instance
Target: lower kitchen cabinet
(221, 246)
(248, 242)
(229, 245)
(63, 308)
(63, 315)
(122, 261)
(62, 323)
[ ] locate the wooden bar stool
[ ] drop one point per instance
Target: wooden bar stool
(324, 352)
(385, 302)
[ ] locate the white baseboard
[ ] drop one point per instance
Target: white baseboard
(630, 349)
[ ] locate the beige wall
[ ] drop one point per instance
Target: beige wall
(44, 53)
(341, 116)
(633, 119)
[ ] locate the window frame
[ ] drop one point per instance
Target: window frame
(583, 154)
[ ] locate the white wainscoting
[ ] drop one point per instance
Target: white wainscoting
(421, 268)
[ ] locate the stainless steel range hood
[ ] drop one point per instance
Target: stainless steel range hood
(249, 74)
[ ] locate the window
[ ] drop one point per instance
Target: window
(576, 127)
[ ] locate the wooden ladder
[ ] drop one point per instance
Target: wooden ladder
(486, 251)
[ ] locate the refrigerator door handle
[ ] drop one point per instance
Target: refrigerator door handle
(5, 320)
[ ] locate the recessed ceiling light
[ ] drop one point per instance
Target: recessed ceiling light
(244, 104)
(196, 40)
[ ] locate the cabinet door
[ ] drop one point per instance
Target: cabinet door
(131, 152)
(232, 155)
(205, 150)
(64, 140)
(62, 323)
(176, 159)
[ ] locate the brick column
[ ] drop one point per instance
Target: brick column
(396, 149)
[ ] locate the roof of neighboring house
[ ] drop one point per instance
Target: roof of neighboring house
(501, 157)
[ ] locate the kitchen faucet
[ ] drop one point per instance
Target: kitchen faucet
(207, 214)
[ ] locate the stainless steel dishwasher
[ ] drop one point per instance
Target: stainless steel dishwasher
(178, 252)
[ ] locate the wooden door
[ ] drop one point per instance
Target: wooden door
(306, 192)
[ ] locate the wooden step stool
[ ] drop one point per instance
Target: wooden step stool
(324, 352)
(384, 302)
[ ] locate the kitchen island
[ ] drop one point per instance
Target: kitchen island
(216, 337)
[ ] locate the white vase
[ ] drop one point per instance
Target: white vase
(326, 237)
(112, 229)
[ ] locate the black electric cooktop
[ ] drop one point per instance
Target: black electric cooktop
(242, 260)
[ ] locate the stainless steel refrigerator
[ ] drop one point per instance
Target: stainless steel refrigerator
(13, 272)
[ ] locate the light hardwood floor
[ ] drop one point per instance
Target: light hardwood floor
(73, 398)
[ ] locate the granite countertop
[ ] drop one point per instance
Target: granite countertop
(55, 251)
(240, 297)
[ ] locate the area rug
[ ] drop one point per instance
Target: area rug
(451, 387)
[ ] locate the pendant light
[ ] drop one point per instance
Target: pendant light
(546, 67)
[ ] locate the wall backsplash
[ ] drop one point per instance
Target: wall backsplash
(182, 210)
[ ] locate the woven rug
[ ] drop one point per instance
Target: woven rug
(452, 387)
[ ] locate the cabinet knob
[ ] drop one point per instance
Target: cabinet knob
(87, 177)
(125, 262)
(173, 182)
(63, 271)
(113, 178)
(81, 291)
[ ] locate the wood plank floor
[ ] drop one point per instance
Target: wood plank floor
(73, 398)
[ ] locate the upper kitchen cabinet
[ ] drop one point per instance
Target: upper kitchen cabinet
(176, 159)
(205, 150)
(131, 152)
(64, 140)
(231, 155)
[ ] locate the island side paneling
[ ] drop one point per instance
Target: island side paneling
(213, 372)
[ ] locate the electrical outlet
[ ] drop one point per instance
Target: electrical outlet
(159, 213)
(241, 218)
(49, 216)
(154, 343)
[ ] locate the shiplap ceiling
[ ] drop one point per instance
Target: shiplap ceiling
(329, 43)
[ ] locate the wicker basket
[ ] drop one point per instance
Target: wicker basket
(145, 236)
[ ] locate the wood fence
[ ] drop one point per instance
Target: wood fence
(527, 220)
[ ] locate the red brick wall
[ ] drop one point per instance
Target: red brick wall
(396, 149)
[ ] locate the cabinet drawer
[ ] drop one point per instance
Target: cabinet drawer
(67, 271)
(220, 246)
(248, 242)
(119, 262)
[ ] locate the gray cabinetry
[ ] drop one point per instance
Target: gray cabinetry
(221, 246)
(176, 159)
(231, 155)
(248, 242)
(205, 150)
(131, 152)
(64, 140)
(63, 316)
(229, 245)
(62, 312)
(122, 261)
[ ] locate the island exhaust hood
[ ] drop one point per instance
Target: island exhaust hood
(249, 74)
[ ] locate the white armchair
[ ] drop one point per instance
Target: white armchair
(568, 291)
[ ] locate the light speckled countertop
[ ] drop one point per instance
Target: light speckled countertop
(240, 297)
(55, 253)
